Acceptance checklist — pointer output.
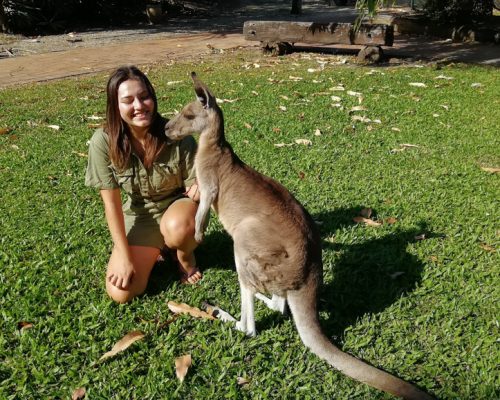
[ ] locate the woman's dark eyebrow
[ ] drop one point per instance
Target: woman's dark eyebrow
(144, 92)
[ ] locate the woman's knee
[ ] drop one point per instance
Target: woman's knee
(177, 230)
(122, 296)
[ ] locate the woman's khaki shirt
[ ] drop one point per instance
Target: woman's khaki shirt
(149, 191)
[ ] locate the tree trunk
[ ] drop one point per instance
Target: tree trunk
(3, 18)
(296, 7)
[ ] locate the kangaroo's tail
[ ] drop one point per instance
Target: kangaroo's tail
(303, 307)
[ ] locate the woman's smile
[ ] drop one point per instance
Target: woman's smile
(136, 105)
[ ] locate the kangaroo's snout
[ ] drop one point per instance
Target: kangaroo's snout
(170, 132)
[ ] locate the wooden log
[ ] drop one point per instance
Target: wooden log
(316, 32)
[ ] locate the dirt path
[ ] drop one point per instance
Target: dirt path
(25, 60)
(49, 66)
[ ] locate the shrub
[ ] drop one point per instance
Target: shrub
(458, 11)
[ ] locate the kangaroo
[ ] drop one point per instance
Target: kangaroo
(277, 246)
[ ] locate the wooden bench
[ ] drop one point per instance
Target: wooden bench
(278, 37)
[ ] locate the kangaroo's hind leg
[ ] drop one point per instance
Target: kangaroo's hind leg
(246, 324)
(276, 303)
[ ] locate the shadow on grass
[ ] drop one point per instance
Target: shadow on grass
(367, 277)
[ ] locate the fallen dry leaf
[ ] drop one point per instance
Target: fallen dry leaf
(305, 142)
(94, 126)
(476, 85)
(255, 93)
(282, 108)
(366, 212)
(94, 118)
(492, 170)
(395, 129)
(391, 220)
(23, 325)
(487, 247)
(4, 131)
(284, 97)
(355, 94)
(242, 381)
(361, 118)
(339, 88)
(276, 130)
(443, 77)
(221, 101)
(357, 108)
(170, 83)
(417, 84)
(248, 126)
(79, 394)
(83, 155)
(283, 144)
(366, 221)
(123, 344)
(183, 308)
(55, 127)
(182, 365)
(317, 132)
(404, 146)
(295, 78)
(336, 98)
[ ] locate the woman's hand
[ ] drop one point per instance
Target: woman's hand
(193, 192)
(120, 270)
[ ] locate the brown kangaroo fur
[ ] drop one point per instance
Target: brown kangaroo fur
(277, 246)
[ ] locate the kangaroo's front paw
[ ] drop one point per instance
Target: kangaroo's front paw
(199, 236)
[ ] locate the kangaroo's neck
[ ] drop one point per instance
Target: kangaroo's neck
(212, 138)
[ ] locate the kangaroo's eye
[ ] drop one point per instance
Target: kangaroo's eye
(189, 116)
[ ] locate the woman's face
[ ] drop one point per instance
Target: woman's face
(135, 104)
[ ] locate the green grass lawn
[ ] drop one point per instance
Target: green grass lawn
(424, 310)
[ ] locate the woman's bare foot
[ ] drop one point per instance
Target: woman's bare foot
(190, 274)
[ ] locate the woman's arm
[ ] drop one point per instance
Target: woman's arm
(121, 273)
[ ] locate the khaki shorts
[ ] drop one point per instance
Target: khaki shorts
(144, 230)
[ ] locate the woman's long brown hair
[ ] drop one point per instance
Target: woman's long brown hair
(120, 146)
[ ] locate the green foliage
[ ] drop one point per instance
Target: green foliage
(425, 310)
(458, 11)
(51, 16)
(442, 11)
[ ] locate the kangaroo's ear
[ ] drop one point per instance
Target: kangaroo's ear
(202, 93)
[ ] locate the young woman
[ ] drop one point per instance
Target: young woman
(132, 153)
